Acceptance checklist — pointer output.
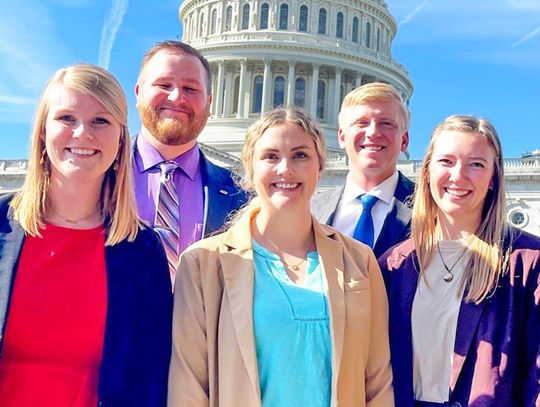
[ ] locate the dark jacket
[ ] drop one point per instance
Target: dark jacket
(396, 226)
(496, 352)
(137, 343)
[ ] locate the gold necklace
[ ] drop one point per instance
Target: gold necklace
(449, 276)
(293, 267)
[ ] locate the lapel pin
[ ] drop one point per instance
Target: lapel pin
(222, 191)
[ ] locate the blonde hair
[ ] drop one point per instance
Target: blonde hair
(375, 91)
(117, 202)
(274, 118)
(489, 259)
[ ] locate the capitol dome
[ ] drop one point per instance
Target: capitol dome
(269, 53)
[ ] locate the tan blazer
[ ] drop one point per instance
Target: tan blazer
(214, 362)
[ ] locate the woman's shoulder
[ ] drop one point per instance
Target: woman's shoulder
(521, 240)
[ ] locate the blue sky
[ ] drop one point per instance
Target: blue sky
(471, 57)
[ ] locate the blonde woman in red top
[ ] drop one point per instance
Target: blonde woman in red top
(85, 296)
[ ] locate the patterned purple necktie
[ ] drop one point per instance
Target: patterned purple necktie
(168, 214)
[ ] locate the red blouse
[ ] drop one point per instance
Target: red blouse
(55, 328)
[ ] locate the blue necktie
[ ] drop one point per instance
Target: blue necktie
(364, 230)
(168, 214)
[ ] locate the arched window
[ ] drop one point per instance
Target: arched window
(368, 34)
(321, 99)
(378, 39)
(355, 29)
(339, 25)
(303, 23)
(322, 21)
(201, 25)
(245, 17)
(228, 19)
(300, 92)
(264, 17)
(214, 21)
(257, 94)
(283, 16)
(279, 91)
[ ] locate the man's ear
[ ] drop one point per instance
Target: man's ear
(137, 89)
(341, 138)
(404, 141)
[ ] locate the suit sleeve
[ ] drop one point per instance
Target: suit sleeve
(531, 391)
(155, 316)
(379, 391)
(188, 374)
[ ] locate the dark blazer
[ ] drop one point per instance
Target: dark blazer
(222, 196)
(496, 353)
(137, 344)
(397, 225)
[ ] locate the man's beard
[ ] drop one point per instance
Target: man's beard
(171, 131)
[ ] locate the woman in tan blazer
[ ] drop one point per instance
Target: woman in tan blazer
(233, 341)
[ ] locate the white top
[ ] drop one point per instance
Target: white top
(350, 208)
(434, 322)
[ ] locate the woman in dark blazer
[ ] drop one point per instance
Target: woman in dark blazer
(85, 293)
(464, 289)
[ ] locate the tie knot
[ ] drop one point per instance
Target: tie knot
(368, 201)
(167, 169)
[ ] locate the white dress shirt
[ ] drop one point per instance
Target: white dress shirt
(350, 208)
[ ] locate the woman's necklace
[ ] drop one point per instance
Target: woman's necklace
(73, 221)
(448, 276)
(293, 267)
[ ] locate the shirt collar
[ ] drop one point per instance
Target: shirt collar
(384, 191)
(148, 158)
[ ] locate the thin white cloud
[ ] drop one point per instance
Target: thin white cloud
(532, 34)
(112, 23)
(17, 100)
(410, 16)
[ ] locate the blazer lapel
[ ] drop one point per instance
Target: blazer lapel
(468, 319)
(331, 258)
(394, 227)
(238, 273)
(217, 197)
(324, 205)
(11, 241)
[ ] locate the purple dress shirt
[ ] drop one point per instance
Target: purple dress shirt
(188, 180)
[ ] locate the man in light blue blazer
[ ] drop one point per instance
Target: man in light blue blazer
(374, 204)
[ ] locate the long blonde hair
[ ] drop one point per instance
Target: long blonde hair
(117, 201)
(488, 259)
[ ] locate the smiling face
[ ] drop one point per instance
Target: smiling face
(173, 98)
(285, 167)
(372, 135)
(460, 175)
(82, 138)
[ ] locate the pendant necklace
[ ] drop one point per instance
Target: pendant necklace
(448, 276)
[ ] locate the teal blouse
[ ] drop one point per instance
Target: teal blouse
(292, 333)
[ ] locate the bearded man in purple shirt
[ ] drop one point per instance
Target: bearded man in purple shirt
(173, 98)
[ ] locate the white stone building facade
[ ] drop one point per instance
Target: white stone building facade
(310, 53)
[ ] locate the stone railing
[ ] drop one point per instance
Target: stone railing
(13, 166)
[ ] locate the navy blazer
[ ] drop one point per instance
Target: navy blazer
(397, 224)
(137, 343)
(497, 347)
(222, 196)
